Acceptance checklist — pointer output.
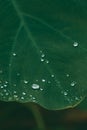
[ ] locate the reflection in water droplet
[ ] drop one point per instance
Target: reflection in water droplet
(73, 83)
(65, 93)
(75, 44)
(35, 86)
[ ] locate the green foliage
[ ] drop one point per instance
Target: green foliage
(43, 52)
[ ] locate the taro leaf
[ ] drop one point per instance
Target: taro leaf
(43, 52)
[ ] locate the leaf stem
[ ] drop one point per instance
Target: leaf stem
(37, 115)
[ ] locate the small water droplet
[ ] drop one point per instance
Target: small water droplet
(75, 44)
(15, 96)
(2, 86)
(65, 93)
(5, 90)
(67, 75)
(35, 86)
(24, 93)
(73, 83)
(18, 74)
(41, 89)
(22, 98)
(49, 82)
(25, 81)
(43, 80)
(14, 92)
(5, 85)
(76, 98)
(1, 71)
(42, 59)
(52, 75)
(43, 55)
(47, 61)
(14, 54)
(7, 94)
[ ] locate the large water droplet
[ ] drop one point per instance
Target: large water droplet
(35, 86)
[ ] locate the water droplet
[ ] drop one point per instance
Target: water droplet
(5, 90)
(41, 89)
(24, 93)
(18, 74)
(73, 83)
(5, 85)
(43, 80)
(43, 55)
(7, 94)
(42, 59)
(2, 87)
(1, 71)
(47, 61)
(67, 75)
(25, 81)
(75, 44)
(35, 86)
(14, 54)
(22, 98)
(49, 82)
(76, 98)
(52, 75)
(65, 93)
(15, 96)
(14, 92)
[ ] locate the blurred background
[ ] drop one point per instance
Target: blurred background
(15, 116)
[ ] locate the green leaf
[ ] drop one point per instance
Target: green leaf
(43, 52)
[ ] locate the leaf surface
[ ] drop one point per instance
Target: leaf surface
(43, 52)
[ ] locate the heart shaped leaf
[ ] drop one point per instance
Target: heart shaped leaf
(43, 52)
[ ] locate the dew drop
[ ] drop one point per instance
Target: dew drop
(22, 98)
(43, 55)
(41, 89)
(65, 93)
(47, 61)
(1, 71)
(7, 94)
(42, 59)
(67, 75)
(35, 86)
(75, 44)
(52, 75)
(73, 83)
(2, 87)
(43, 80)
(14, 54)
(25, 81)
(24, 93)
